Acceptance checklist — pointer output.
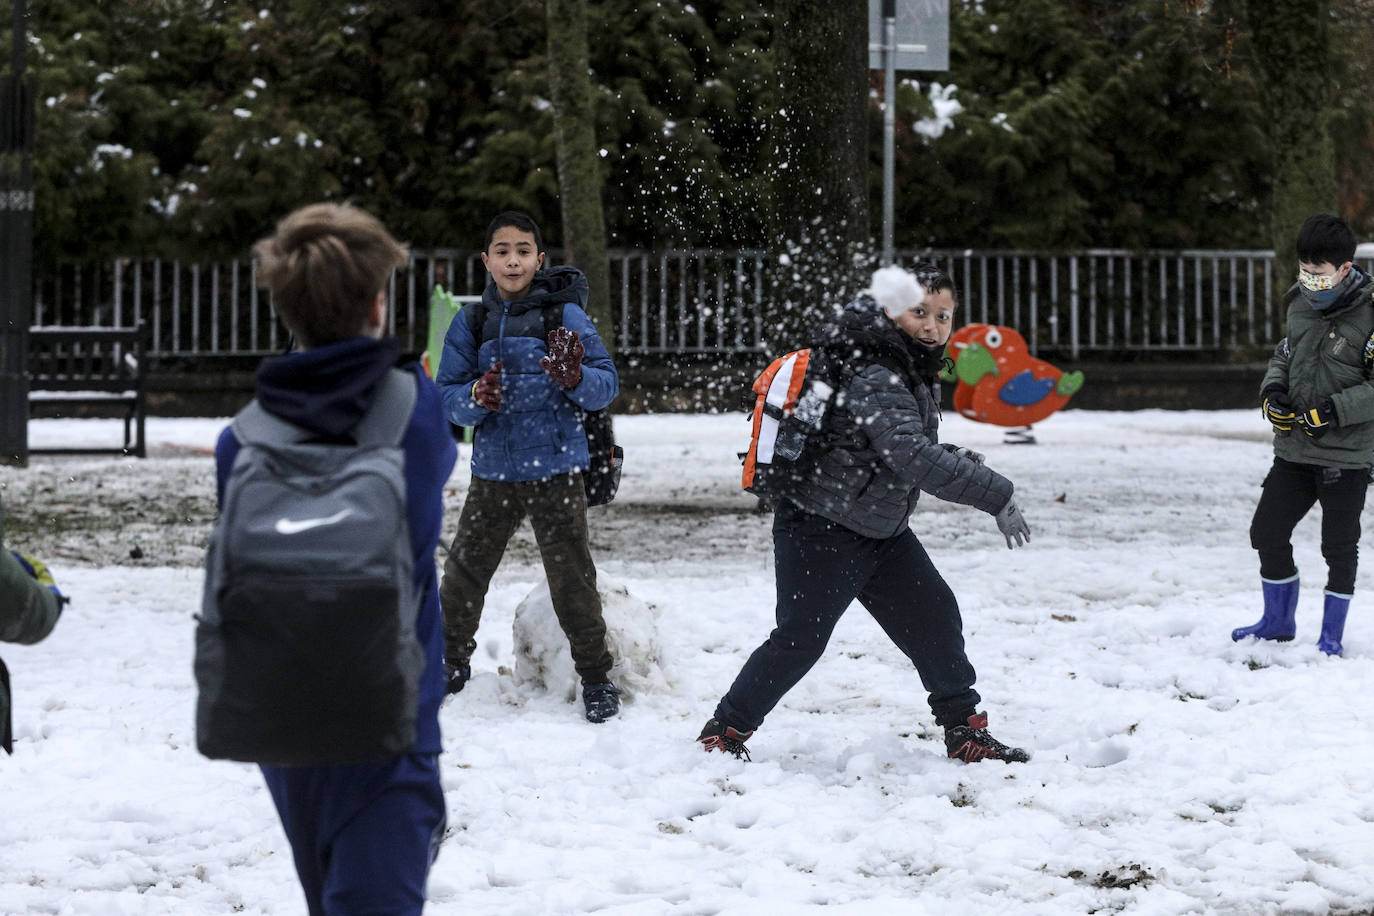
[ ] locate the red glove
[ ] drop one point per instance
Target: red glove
(564, 362)
(486, 391)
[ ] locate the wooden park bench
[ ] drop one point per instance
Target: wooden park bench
(91, 367)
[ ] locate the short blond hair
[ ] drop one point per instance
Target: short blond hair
(324, 266)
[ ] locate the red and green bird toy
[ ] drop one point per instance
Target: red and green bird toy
(999, 382)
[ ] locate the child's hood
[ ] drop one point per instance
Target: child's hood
(550, 286)
(326, 389)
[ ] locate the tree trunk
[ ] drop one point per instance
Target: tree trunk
(579, 163)
(1292, 56)
(819, 159)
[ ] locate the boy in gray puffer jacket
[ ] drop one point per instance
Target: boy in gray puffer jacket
(841, 529)
(1318, 394)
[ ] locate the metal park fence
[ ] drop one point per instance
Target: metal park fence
(1099, 303)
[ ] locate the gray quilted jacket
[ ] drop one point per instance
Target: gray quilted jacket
(880, 446)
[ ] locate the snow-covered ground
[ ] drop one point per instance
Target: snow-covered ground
(1174, 771)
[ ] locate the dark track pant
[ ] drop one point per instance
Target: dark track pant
(821, 569)
(363, 837)
(1290, 491)
(557, 510)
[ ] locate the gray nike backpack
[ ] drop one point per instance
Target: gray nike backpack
(306, 651)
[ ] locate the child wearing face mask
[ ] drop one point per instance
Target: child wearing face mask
(842, 531)
(1318, 394)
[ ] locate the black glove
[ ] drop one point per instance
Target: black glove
(1278, 410)
(1315, 421)
(564, 362)
(486, 391)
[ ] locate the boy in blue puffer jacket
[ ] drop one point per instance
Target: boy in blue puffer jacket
(521, 390)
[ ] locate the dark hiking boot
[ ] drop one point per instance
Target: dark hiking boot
(971, 743)
(717, 736)
(602, 701)
(457, 679)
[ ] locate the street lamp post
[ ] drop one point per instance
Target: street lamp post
(16, 245)
(889, 122)
(902, 35)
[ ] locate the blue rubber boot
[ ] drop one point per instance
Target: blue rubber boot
(1280, 606)
(1333, 623)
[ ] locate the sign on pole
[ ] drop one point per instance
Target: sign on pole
(922, 35)
(902, 35)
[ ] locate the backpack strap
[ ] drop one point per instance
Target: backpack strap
(384, 423)
(476, 315)
(386, 420)
(553, 319)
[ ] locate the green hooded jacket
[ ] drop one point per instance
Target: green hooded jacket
(1328, 354)
(28, 612)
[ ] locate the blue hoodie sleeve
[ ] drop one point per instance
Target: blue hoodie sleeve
(226, 450)
(600, 380)
(458, 369)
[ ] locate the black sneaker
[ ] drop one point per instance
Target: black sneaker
(457, 679)
(602, 701)
(717, 736)
(972, 743)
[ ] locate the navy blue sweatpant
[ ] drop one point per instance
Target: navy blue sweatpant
(363, 836)
(821, 569)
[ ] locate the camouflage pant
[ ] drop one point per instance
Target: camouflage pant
(557, 510)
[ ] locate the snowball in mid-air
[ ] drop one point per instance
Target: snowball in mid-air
(896, 290)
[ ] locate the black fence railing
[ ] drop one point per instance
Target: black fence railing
(1095, 302)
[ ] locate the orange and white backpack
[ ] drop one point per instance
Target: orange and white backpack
(791, 399)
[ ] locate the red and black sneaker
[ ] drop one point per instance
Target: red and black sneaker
(972, 743)
(717, 736)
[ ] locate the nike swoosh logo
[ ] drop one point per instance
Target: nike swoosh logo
(296, 526)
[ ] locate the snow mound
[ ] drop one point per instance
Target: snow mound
(542, 658)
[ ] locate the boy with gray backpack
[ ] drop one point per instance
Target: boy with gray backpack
(319, 650)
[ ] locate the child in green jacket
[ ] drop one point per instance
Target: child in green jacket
(29, 607)
(1318, 394)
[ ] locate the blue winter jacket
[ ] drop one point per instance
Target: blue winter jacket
(536, 434)
(327, 390)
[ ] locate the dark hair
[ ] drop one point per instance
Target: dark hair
(325, 265)
(933, 278)
(1326, 238)
(517, 220)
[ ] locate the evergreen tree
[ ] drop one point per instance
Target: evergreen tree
(1353, 124)
(1083, 124)
(685, 89)
(818, 158)
(1292, 56)
(97, 190)
(182, 128)
(579, 172)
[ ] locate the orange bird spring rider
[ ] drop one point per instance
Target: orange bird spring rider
(999, 382)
